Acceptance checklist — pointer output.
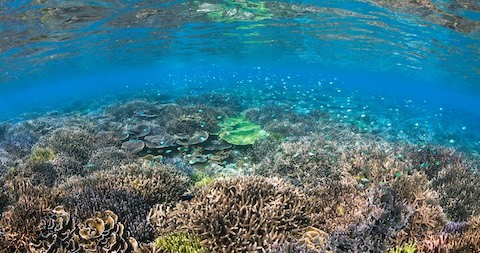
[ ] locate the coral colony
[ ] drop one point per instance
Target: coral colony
(208, 174)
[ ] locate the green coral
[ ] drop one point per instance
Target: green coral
(239, 131)
(41, 155)
(406, 248)
(179, 243)
(201, 179)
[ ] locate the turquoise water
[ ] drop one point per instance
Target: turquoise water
(403, 75)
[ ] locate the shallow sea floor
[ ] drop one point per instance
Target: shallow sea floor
(224, 173)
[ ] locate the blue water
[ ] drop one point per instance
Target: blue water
(56, 56)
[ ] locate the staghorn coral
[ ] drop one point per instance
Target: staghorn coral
(372, 162)
(288, 247)
(342, 203)
(73, 142)
(386, 216)
(66, 166)
(307, 162)
(239, 214)
(215, 100)
(108, 158)
(18, 142)
(105, 139)
(459, 190)
(131, 109)
(39, 173)
(466, 239)
(88, 196)
(428, 217)
(154, 182)
(189, 119)
(431, 159)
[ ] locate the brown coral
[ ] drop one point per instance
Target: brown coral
(128, 190)
(76, 143)
(314, 240)
(460, 241)
(55, 232)
(342, 203)
(103, 233)
(459, 189)
(20, 219)
(108, 158)
(239, 214)
(59, 232)
(307, 162)
(428, 217)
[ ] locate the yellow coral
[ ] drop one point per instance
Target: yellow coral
(41, 155)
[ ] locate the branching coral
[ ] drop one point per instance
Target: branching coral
(128, 190)
(465, 240)
(428, 217)
(108, 158)
(239, 214)
(19, 142)
(342, 203)
(386, 216)
(459, 191)
(307, 162)
(76, 143)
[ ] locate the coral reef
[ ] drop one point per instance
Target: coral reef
(239, 214)
(18, 142)
(59, 232)
(465, 240)
(239, 131)
(20, 219)
(41, 155)
(227, 104)
(342, 203)
(428, 217)
(386, 216)
(406, 248)
(76, 143)
(307, 162)
(288, 247)
(108, 158)
(178, 243)
(314, 240)
(129, 191)
(73, 183)
(458, 186)
(131, 109)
